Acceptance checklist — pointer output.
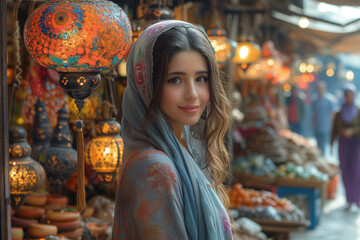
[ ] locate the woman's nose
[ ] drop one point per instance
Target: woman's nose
(190, 90)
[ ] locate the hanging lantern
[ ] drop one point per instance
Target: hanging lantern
(224, 47)
(78, 39)
(271, 60)
(41, 131)
(246, 53)
(59, 160)
(104, 152)
(158, 12)
(25, 174)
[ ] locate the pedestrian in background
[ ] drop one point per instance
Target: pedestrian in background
(323, 108)
(296, 110)
(346, 129)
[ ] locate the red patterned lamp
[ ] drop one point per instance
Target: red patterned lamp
(78, 39)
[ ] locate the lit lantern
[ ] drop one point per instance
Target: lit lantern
(59, 160)
(104, 152)
(271, 61)
(158, 12)
(224, 47)
(246, 53)
(78, 39)
(25, 174)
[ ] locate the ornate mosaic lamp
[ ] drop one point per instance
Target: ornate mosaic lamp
(78, 39)
(25, 174)
(104, 152)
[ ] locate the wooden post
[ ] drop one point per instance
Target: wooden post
(5, 224)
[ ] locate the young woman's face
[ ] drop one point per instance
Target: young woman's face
(185, 91)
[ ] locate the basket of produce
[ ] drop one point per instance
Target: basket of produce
(254, 169)
(290, 175)
(263, 205)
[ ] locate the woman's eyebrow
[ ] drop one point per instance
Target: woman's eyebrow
(183, 73)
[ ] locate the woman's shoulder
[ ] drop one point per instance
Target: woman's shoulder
(146, 159)
(148, 155)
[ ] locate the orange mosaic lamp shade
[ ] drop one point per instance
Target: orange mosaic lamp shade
(78, 39)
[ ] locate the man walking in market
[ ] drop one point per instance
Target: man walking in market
(323, 108)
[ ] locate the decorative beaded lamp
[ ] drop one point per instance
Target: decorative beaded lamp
(78, 39)
(25, 174)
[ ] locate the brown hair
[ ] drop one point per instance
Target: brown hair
(167, 45)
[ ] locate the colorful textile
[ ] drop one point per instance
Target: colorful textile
(293, 118)
(162, 193)
(349, 157)
(349, 111)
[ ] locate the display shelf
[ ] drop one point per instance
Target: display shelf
(247, 178)
(299, 182)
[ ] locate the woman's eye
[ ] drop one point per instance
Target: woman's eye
(174, 80)
(202, 79)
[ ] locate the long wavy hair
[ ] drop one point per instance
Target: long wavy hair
(179, 39)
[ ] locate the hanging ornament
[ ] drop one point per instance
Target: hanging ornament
(158, 12)
(270, 62)
(41, 130)
(104, 152)
(59, 160)
(25, 174)
(223, 46)
(246, 53)
(78, 39)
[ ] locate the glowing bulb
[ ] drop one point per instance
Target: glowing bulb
(20, 121)
(330, 72)
(304, 22)
(257, 66)
(270, 62)
(310, 68)
(244, 52)
(349, 75)
(287, 87)
(107, 151)
(302, 67)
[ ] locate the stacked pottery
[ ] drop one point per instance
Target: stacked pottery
(41, 131)
(67, 220)
(32, 212)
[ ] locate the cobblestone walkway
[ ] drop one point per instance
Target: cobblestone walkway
(336, 223)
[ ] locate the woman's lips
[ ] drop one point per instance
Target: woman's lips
(190, 109)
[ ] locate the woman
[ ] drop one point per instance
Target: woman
(167, 190)
(347, 128)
